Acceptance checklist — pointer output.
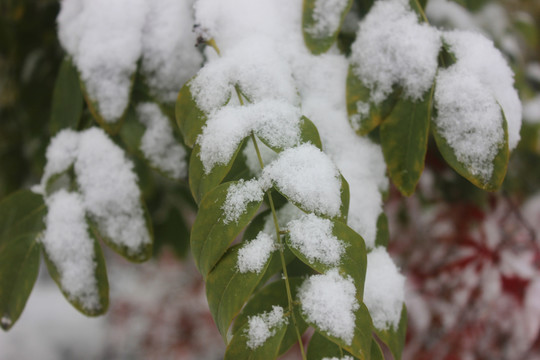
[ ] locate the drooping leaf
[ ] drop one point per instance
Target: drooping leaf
(395, 338)
(100, 274)
(360, 346)
(320, 347)
(353, 261)
(210, 234)
(318, 34)
(21, 221)
(189, 117)
(500, 162)
(404, 138)
(238, 348)
(200, 182)
(274, 294)
(227, 289)
(67, 100)
(383, 235)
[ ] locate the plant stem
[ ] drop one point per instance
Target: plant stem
(280, 247)
(422, 13)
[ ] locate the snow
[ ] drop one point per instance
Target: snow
(275, 121)
(450, 14)
(254, 254)
(327, 17)
(110, 192)
(261, 327)
(238, 197)
(60, 154)
(346, 357)
(169, 57)
(158, 143)
(531, 110)
(313, 237)
(68, 244)
(384, 290)
(308, 177)
(392, 48)
(329, 301)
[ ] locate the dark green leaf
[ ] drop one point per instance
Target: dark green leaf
(500, 162)
(274, 294)
(353, 260)
(404, 137)
(318, 42)
(210, 235)
(131, 132)
(320, 347)
(189, 117)
(376, 351)
(239, 350)
(227, 289)
(67, 100)
(395, 338)
(21, 221)
(200, 182)
(100, 275)
(383, 235)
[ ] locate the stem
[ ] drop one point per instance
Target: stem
(214, 46)
(280, 247)
(422, 13)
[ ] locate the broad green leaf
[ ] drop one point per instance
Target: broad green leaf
(500, 162)
(200, 182)
(358, 96)
(318, 35)
(67, 100)
(383, 235)
(227, 289)
(139, 255)
(309, 133)
(100, 275)
(131, 132)
(360, 346)
(238, 349)
(274, 294)
(404, 138)
(320, 347)
(376, 351)
(189, 117)
(210, 235)
(21, 221)
(353, 260)
(395, 339)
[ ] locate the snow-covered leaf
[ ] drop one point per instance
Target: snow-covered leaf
(395, 339)
(189, 117)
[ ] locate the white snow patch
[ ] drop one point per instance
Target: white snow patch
(239, 196)
(69, 246)
(346, 357)
(158, 143)
(261, 327)
(329, 301)
(384, 290)
(60, 154)
(254, 254)
(327, 17)
(392, 48)
(308, 177)
(313, 237)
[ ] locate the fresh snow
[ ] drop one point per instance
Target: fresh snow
(346, 357)
(313, 237)
(254, 254)
(68, 244)
(327, 17)
(384, 290)
(261, 327)
(238, 197)
(158, 143)
(329, 301)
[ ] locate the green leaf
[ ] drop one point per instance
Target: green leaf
(383, 235)
(112, 128)
(100, 275)
(21, 221)
(210, 235)
(353, 260)
(189, 117)
(358, 95)
(239, 350)
(227, 289)
(67, 100)
(309, 133)
(404, 138)
(395, 338)
(376, 351)
(319, 42)
(360, 346)
(200, 182)
(274, 294)
(320, 347)
(500, 162)
(132, 132)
